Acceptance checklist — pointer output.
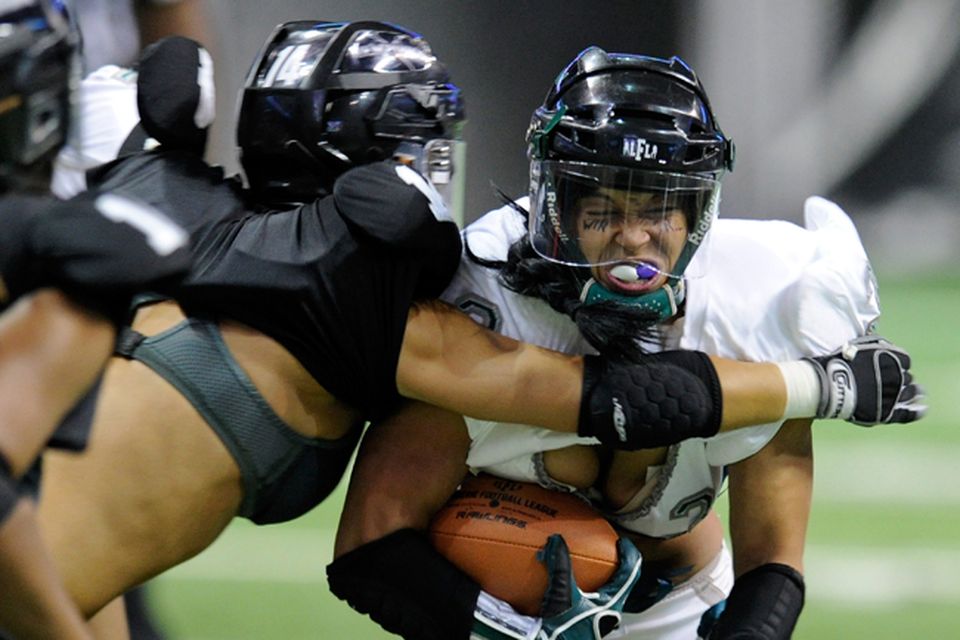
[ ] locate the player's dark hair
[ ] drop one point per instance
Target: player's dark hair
(615, 330)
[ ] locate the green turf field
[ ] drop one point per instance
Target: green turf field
(883, 558)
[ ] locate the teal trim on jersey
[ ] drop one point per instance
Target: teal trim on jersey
(664, 301)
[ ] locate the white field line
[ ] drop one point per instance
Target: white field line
(848, 576)
(871, 473)
(877, 577)
(890, 473)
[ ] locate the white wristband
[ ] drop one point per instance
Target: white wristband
(804, 390)
(497, 619)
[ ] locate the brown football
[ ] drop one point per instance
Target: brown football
(492, 529)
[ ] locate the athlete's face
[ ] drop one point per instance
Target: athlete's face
(624, 233)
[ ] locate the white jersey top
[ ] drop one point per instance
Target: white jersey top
(106, 112)
(772, 291)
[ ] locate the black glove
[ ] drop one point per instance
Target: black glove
(868, 382)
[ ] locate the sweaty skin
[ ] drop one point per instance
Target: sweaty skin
(35, 334)
(140, 518)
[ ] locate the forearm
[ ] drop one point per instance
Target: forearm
(35, 604)
(407, 467)
(184, 18)
(753, 393)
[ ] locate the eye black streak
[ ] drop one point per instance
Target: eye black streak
(596, 225)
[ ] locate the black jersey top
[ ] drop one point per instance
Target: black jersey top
(331, 280)
(99, 248)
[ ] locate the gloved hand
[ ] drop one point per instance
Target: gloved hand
(567, 613)
(868, 382)
(709, 619)
(571, 614)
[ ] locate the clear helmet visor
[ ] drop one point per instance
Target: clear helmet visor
(443, 162)
(637, 228)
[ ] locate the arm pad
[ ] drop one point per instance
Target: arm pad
(663, 399)
(764, 605)
(407, 587)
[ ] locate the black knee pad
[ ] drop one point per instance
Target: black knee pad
(407, 587)
(661, 400)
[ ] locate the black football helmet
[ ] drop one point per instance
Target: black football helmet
(326, 96)
(635, 129)
(38, 71)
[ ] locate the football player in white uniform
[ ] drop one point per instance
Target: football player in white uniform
(626, 158)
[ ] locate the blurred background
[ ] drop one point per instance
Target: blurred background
(855, 100)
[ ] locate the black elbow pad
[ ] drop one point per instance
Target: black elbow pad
(407, 587)
(662, 400)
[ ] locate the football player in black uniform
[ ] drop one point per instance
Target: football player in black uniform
(67, 272)
(246, 394)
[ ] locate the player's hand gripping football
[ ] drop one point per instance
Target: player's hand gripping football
(567, 613)
(570, 614)
(868, 382)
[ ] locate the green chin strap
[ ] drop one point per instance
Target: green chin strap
(663, 302)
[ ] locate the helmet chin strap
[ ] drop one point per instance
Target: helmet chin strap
(664, 301)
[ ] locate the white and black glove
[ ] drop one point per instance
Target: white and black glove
(868, 382)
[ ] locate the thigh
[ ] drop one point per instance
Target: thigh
(154, 487)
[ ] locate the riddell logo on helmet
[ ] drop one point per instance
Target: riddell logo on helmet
(553, 214)
(639, 148)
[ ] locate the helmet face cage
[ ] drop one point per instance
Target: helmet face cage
(324, 97)
(628, 146)
(37, 74)
(584, 214)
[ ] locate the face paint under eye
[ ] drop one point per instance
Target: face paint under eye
(657, 220)
(600, 223)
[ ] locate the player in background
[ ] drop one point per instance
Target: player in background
(294, 327)
(114, 32)
(67, 272)
(626, 159)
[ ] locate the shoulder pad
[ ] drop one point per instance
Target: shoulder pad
(392, 204)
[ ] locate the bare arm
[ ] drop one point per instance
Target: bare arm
(770, 495)
(184, 18)
(450, 361)
(407, 467)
